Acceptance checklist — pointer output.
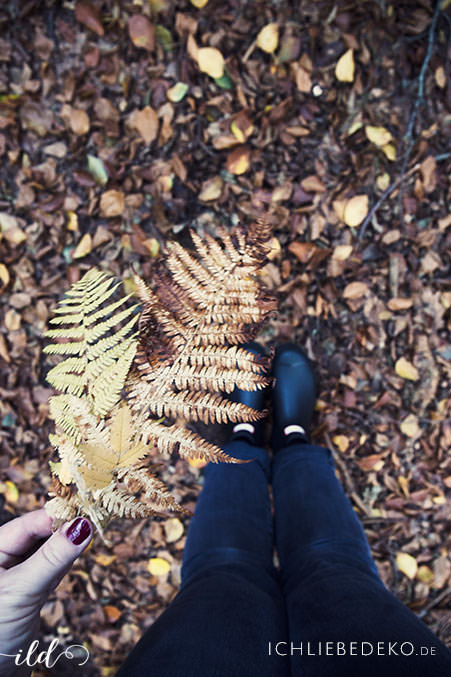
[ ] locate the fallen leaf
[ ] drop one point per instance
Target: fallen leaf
(378, 135)
(12, 320)
(355, 210)
(199, 3)
(112, 203)
(11, 492)
(302, 250)
(389, 151)
(303, 79)
(84, 247)
(428, 172)
(238, 161)
(339, 208)
(146, 122)
(72, 223)
(404, 484)
(4, 275)
(383, 181)
(268, 38)
(4, 354)
(409, 426)
(157, 566)
(371, 462)
(211, 189)
(58, 149)
(440, 77)
(344, 70)
(341, 442)
(105, 560)
(112, 613)
(177, 92)
(79, 121)
(173, 528)
(313, 184)
(406, 370)
(355, 290)
(241, 127)
(89, 16)
(193, 462)
(399, 303)
(407, 564)
(210, 61)
(36, 118)
(97, 169)
(141, 32)
(342, 252)
(425, 574)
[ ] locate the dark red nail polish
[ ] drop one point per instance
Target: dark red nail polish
(78, 531)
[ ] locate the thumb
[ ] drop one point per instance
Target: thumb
(47, 566)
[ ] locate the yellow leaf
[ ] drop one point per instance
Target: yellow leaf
(339, 208)
(341, 442)
(157, 566)
(173, 528)
(238, 161)
(197, 463)
(383, 181)
(390, 151)
(344, 70)
(105, 560)
(342, 252)
(378, 135)
(404, 484)
(425, 574)
(410, 426)
(11, 492)
(4, 274)
(268, 38)
(275, 249)
(211, 61)
(153, 246)
(177, 92)
(407, 564)
(355, 210)
(72, 223)
(199, 3)
(121, 429)
(146, 122)
(440, 77)
(211, 189)
(84, 247)
(112, 203)
(405, 369)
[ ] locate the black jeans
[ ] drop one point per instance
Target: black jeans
(236, 615)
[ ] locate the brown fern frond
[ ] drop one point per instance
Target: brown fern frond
(123, 394)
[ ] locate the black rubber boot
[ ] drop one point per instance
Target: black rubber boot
(252, 398)
(293, 395)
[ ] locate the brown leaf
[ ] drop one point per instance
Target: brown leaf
(313, 184)
(238, 161)
(303, 80)
(302, 250)
(141, 32)
(371, 462)
(112, 613)
(146, 122)
(428, 172)
(355, 290)
(399, 303)
(89, 16)
(112, 203)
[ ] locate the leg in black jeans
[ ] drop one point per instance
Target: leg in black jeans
(230, 604)
(330, 582)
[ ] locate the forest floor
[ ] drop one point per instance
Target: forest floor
(117, 133)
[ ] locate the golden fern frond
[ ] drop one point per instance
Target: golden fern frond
(124, 373)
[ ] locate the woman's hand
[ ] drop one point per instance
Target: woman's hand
(27, 579)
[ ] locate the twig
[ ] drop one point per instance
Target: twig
(347, 478)
(408, 138)
(434, 602)
(390, 189)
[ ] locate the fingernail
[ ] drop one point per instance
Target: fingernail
(79, 531)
